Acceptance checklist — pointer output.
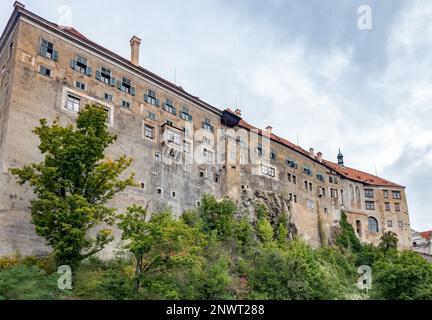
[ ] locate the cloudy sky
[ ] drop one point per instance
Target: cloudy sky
(302, 66)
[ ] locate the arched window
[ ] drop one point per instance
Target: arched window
(373, 225)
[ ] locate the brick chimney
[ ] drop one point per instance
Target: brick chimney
(238, 112)
(269, 129)
(312, 152)
(319, 156)
(135, 48)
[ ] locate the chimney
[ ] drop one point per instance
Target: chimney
(269, 129)
(135, 46)
(238, 112)
(319, 156)
(312, 152)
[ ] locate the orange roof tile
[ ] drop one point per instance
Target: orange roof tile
(427, 235)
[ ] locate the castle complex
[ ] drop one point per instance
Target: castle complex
(182, 147)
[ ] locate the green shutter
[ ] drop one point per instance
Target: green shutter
(43, 51)
(73, 64)
(119, 84)
(55, 55)
(145, 97)
(133, 91)
(98, 75)
(112, 82)
(157, 103)
(89, 71)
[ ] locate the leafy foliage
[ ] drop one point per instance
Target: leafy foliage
(73, 184)
(347, 238)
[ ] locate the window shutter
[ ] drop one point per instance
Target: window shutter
(55, 55)
(89, 71)
(133, 91)
(174, 111)
(157, 103)
(145, 97)
(190, 118)
(164, 106)
(112, 82)
(119, 84)
(73, 64)
(43, 51)
(98, 75)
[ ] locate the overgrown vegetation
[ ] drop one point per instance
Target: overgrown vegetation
(206, 254)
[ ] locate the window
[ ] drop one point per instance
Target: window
(291, 163)
(370, 205)
(158, 157)
(386, 194)
(108, 97)
(310, 204)
(331, 179)
(259, 150)
(358, 227)
(45, 71)
(369, 193)
(202, 174)
(149, 132)
(46, 50)
(159, 191)
(207, 125)
(396, 194)
(172, 137)
(173, 194)
(289, 177)
(387, 206)
(334, 194)
(372, 225)
(80, 64)
(336, 181)
(294, 179)
(151, 116)
(80, 85)
(306, 185)
(207, 155)
(320, 176)
(307, 171)
(73, 103)
(268, 171)
(142, 185)
(325, 210)
(105, 75)
(169, 122)
(397, 207)
(185, 114)
(125, 104)
(310, 186)
(169, 107)
(290, 197)
(273, 155)
(295, 199)
(389, 223)
(150, 97)
(216, 177)
(400, 223)
(125, 85)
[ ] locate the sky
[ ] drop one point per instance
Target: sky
(302, 66)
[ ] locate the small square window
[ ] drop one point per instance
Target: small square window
(80, 85)
(125, 104)
(158, 157)
(142, 185)
(45, 71)
(151, 116)
(159, 191)
(173, 195)
(108, 97)
(390, 223)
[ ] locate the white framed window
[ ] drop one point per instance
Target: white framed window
(80, 85)
(149, 132)
(158, 157)
(45, 71)
(73, 103)
(268, 171)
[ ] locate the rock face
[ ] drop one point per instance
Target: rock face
(276, 204)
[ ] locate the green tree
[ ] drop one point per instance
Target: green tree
(347, 238)
(405, 276)
(159, 244)
(73, 184)
(218, 216)
(388, 242)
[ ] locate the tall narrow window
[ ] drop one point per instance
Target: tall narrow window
(150, 97)
(149, 132)
(125, 85)
(80, 64)
(372, 225)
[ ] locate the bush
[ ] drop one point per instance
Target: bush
(22, 282)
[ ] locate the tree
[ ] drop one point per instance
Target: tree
(73, 184)
(158, 244)
(347, 238)
(388, 242)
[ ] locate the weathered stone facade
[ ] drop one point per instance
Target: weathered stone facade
(47, 71)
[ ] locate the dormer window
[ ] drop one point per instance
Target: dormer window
(207, 125)
(125, 85)
(80, 64)
(46, 50)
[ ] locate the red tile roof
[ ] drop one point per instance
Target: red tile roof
(427, 235)
(349, 173)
